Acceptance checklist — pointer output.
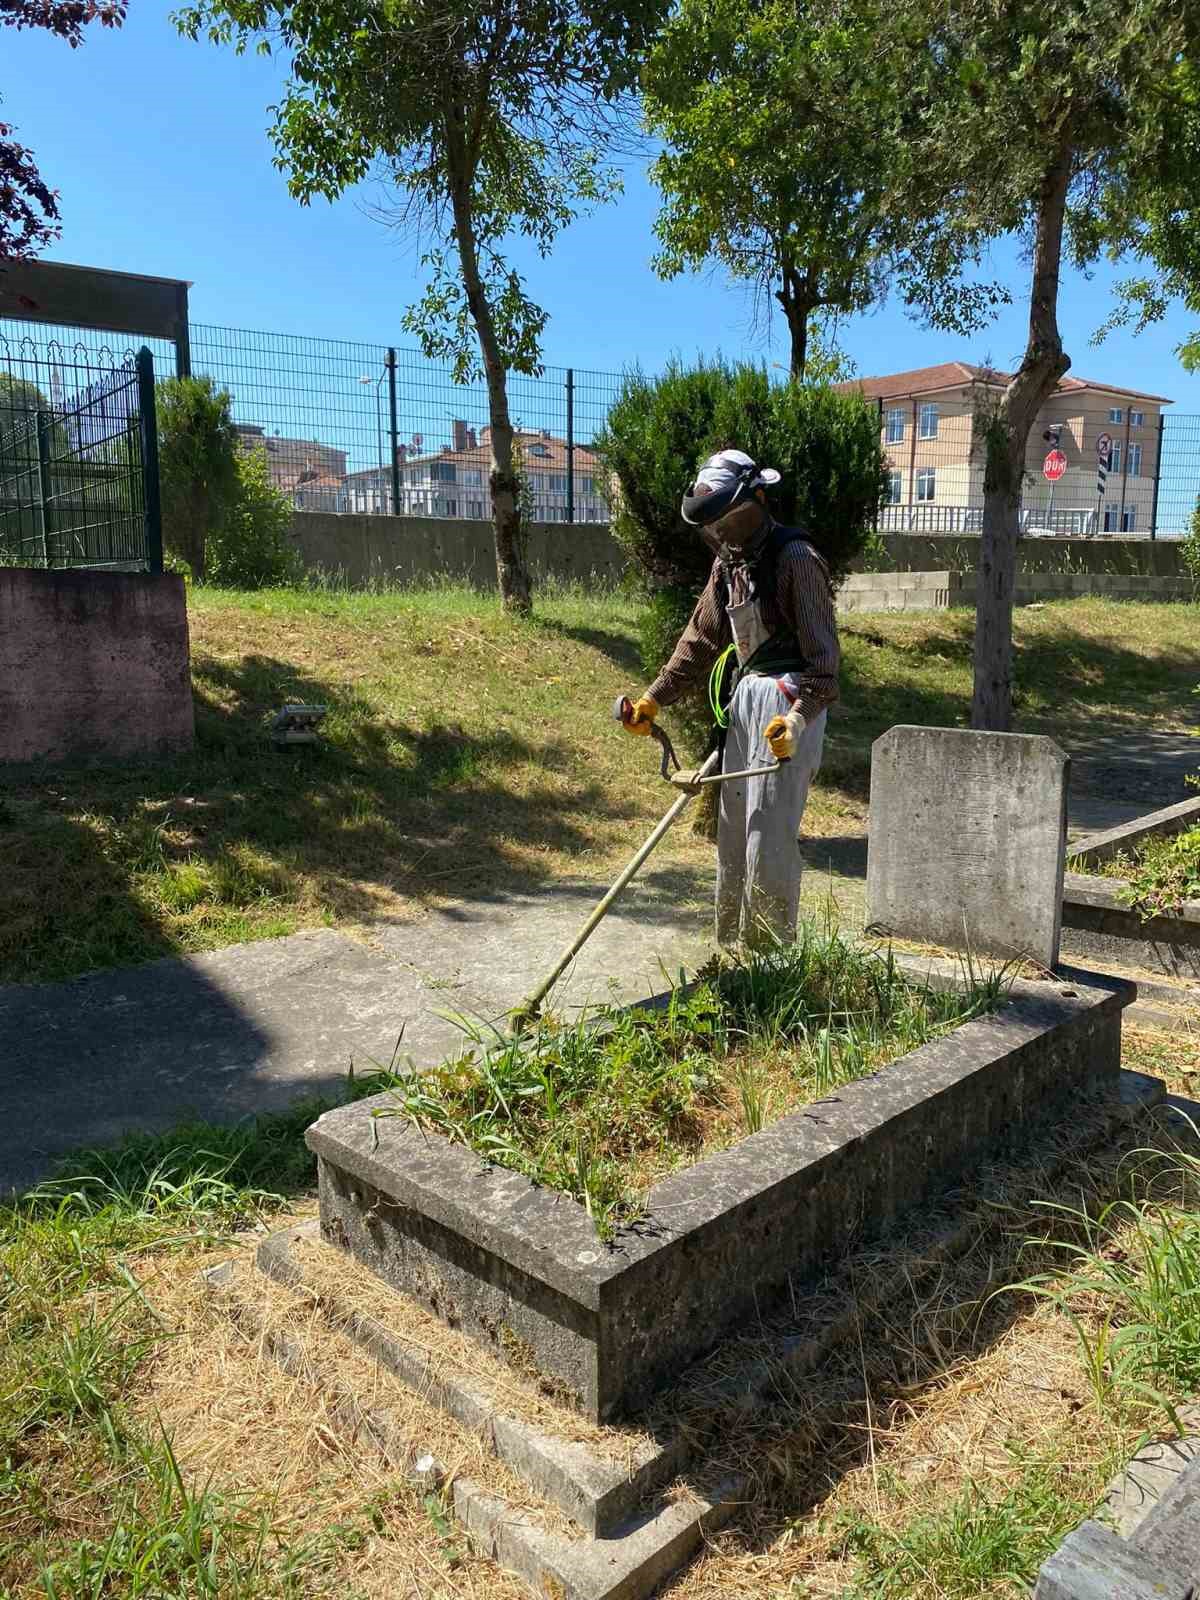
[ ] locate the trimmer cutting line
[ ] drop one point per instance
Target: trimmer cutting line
(691, 782)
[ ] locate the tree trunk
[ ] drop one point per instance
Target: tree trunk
(512, 571)
(1006, 435)
(795, 297)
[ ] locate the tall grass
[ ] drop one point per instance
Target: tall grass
(601, 1108)
(1130, 1288)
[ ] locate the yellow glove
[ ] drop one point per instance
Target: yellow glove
(644, 712)
(783, 735)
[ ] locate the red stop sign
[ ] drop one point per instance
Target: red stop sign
(1054, 465)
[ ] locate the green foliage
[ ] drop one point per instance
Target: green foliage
(1189, 550)
(1139, 1262)
(1008, 96)
(250, 547)
(659, 430)
(779, 125)
(1162, 874)
(971, 1547)
(590, 1109)
(198, 466)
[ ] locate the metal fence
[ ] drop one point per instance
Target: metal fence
(1098, 465)
(78, 458)
(368, 427)
(362, 427)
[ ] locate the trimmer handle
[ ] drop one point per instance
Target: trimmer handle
(623, 712)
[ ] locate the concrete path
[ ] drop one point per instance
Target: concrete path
(1117, 774)
(254, 1027)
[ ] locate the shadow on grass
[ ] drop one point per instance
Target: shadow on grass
(221, 845)
(618, 647)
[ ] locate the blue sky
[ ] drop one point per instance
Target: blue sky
(160, 151)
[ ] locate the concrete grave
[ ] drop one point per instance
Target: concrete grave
(522, 1270)
(639, 1503)
(966, 839)
(1098, 923)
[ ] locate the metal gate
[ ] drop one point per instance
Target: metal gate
(78, 459)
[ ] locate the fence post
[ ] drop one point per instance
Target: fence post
(148, 428)
(394, 433)
(1162, 417)
(570, 444)
(43, 443)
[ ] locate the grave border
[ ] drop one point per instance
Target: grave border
(522, 1270)
(1098, 925)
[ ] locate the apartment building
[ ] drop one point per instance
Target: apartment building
(935, 452)
(311, 472)
(453, 481)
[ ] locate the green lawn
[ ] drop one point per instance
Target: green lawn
(464, 755)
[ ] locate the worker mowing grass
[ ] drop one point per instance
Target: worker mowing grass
(764, 633)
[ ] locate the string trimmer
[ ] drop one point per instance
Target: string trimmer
(690, 782)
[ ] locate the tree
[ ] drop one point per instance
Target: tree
(487, 116)
(28, 206)
(781, 123)
(197, 466)
(250, 546)
(1060, 124)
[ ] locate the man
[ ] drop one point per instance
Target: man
(764, 630)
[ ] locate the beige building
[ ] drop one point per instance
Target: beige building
(935, 452)
(453, 481)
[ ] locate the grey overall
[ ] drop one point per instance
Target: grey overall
(758, 825)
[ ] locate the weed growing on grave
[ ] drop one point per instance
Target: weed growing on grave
(1161, 874)
(603, 1108)
(1130, 1287)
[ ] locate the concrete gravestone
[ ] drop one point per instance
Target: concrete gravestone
(967, 838)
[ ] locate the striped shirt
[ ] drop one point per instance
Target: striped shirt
(803, 603)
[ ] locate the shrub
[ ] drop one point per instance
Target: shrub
(197, 465)
(825, 445)
(250, 548)
(1189, 548)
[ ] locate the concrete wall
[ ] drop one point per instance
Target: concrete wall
(935, 591)
(915, 552)
(93, 665)
(362, 548)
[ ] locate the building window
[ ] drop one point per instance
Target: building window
(1114, 457)
(893, 488)
(1115, 518)
(444, 472)
(894, 427)
(1116, 414)
(926, 484)
(1137, 419)
(472, 477)
(929, 424)
(1135, 460)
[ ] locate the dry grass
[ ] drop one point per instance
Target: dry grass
(239, 1421)
(938, 1386)
(340, 1281)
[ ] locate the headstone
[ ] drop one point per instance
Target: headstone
(966, 840)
